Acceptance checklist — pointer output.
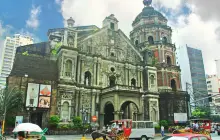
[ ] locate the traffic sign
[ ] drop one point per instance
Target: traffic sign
(94, 118)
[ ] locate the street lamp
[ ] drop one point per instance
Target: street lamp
(29, 110)
(84, 118)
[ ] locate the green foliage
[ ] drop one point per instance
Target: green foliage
(12, 100)
(77, 122)
(164, 123)
(54, 120)
(201, 112)
(64, 126)
(25, 53)
(157, 127)
(56, 48)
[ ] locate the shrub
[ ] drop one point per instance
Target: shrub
(64, 126)
(164, 123)
(77, 122)
(54, 120)
(157, 127)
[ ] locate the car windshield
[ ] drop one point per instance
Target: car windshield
(174, 138)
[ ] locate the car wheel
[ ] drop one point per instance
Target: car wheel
(144, 138)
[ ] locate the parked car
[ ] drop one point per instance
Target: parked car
(186, 137)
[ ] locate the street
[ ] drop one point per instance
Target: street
(88, 137)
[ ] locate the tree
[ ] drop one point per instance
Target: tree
(200, 112)
(10, 100)
(164, 123)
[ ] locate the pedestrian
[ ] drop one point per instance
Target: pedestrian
(21, 135)
(162, 131)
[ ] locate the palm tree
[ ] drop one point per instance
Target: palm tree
(10, 99)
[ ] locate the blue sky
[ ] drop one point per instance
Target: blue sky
(17, 15)
(48, 16)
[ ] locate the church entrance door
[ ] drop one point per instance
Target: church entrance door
(129, 110)
(109, 114)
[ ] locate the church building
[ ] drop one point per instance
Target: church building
(102, 72)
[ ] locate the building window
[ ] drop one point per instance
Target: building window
(164, 40)
(112, 26)
(65, 111)
(112, 69)
(87, 78)
(68, 68)
(136, 42)
(151, 40)
(173, 85)
(112, 81)
(152, 81)
(169, 62)
(208, 82)
(133, 82)
(112, 54)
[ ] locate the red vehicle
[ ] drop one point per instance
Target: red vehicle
(203, 123)
(186, 137)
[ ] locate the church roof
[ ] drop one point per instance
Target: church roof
(148, 12)
(35, 67)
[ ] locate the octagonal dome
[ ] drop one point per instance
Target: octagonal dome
(148, 13)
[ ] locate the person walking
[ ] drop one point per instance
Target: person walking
(162, 131)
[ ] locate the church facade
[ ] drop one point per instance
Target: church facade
(102, 71)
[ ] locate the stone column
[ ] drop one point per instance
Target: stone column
(97, 102)
(75, 40)
(76, 103)
(93, 103)
(116, 115)
(82, 71)
(94, 72)
(101, 120)
(126, 75)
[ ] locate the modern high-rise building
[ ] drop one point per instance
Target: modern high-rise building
(8, 54)
(193, 73)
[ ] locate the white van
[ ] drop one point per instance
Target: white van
(143, 130)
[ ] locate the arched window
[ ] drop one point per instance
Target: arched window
(68, 68)
(152, 80)
(153, 115)
(133, 82)
(164, 40)
(151, 40)
(136, 42)
(112, 81)
(169, 62)
(87, 78)
(173, 85)
(65, 111)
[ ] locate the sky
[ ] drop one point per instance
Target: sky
(194, 22)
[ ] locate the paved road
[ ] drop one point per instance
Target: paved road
(78, 137)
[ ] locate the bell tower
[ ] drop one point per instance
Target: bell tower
(110, 22)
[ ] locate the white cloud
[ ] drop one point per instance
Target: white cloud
(200, 29)
(198, 34)
(33, 21)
